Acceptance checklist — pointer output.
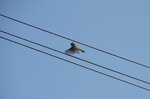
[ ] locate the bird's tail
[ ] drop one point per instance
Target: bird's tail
(82, 50)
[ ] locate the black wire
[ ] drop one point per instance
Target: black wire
(75, 64)
(75, 57)
(77, 42)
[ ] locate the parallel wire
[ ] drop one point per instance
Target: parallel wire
(138, 86)
(106, 52)
(75, 57)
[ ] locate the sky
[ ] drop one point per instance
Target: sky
(117, 26)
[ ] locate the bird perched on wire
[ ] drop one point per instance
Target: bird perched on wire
(74, 49)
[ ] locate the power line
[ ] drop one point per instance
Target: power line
(75, 63)
(75, 57)
(123, 58)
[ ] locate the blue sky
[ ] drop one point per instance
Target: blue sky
(117, 26)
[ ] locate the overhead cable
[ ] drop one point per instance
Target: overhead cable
(106, 52)
(75, 63)
(76, 57)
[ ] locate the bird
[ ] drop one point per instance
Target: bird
(73, 49)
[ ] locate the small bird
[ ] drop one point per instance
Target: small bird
(74, 49)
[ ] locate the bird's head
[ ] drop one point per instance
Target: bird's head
(73, 44)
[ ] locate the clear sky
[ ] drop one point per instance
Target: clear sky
(121, 27)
